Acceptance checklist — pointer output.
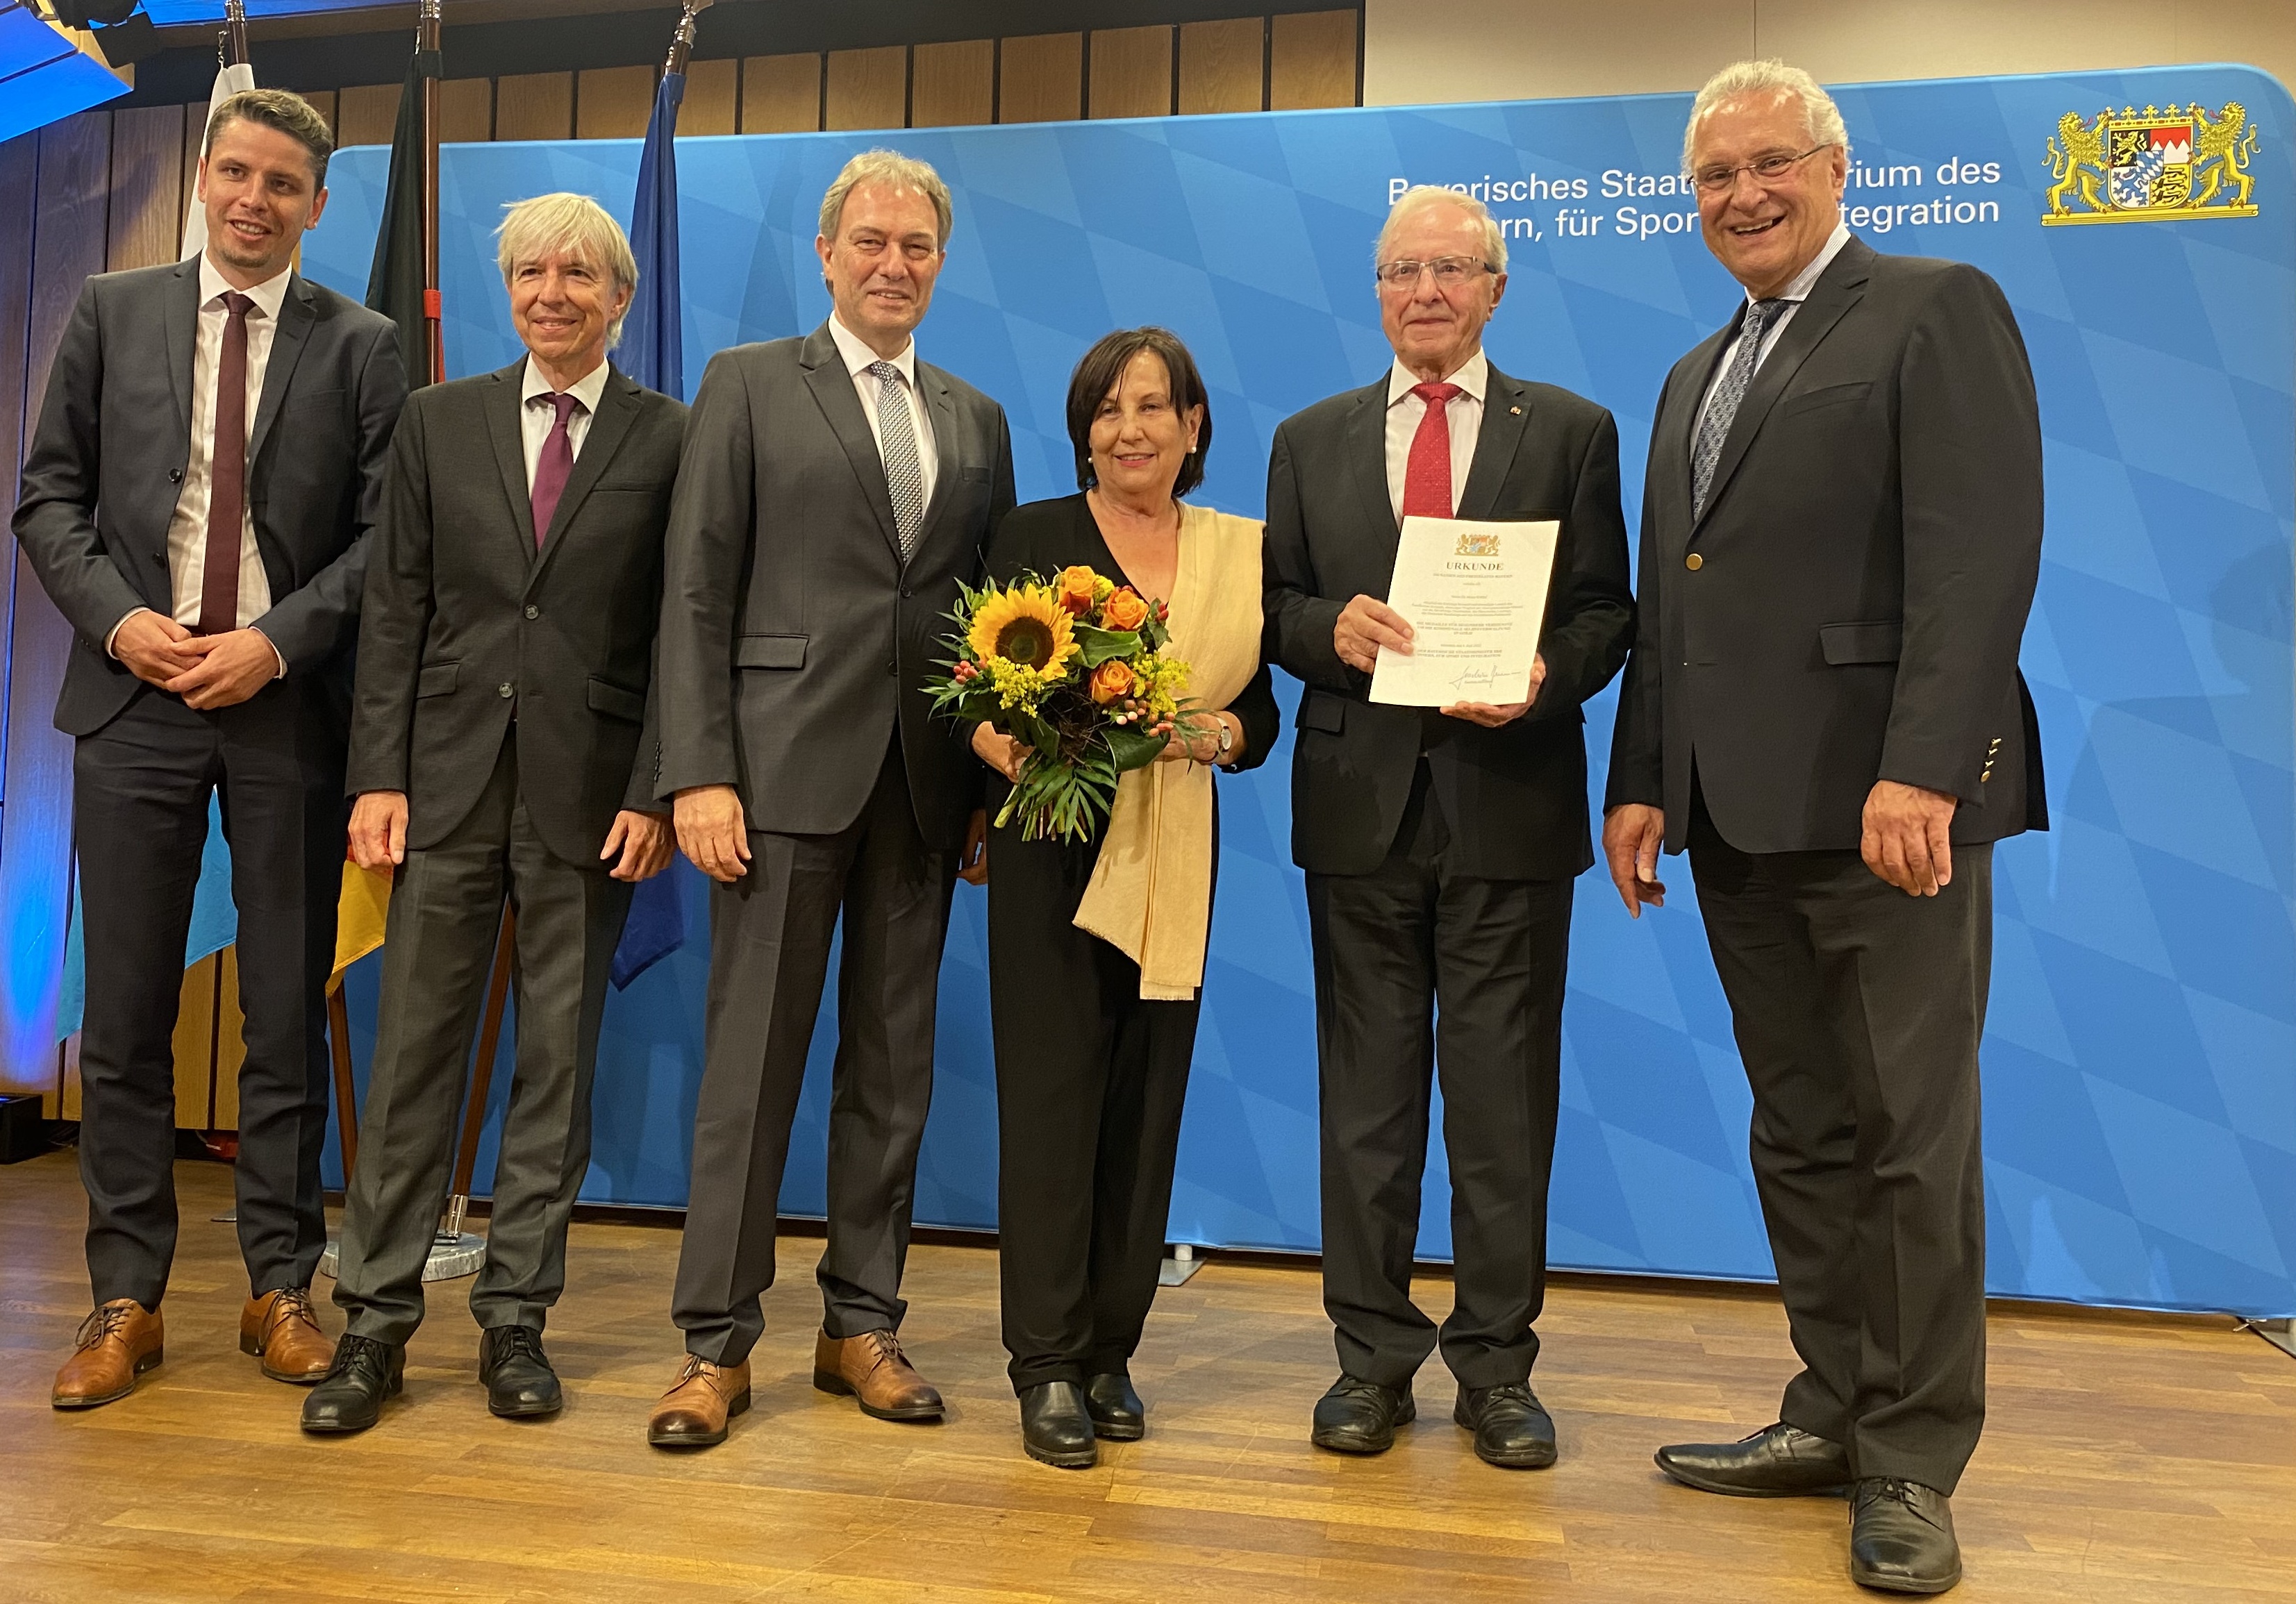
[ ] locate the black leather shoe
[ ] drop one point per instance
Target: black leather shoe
(1777, 1462)
(1117, 1413)
(1512, 1429)
(1901, 1537)
(1055, 1427)
(1360, 1417)
(516, 1373)
(349, 1396)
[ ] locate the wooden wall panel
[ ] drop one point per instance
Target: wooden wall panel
(781, 94)
(466, 111)
(535, 105)
(322, 101)
(1131, 72)
(20, 171)
(1311, 60)
(366, 114)
(1223, 66)
(867, 88)
(194, 1045)
(953, 85)
(230, 1044)
(1040, 78)
(613, 103)
(147, 183)
(713, 97)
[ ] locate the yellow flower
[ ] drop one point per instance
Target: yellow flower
(1025, 626)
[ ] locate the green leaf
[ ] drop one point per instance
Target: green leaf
(1129, 749)
(1102, 644)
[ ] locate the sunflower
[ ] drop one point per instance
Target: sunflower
(1025, 626)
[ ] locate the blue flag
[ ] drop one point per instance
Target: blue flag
(653, 353)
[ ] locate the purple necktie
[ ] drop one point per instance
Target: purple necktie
(227, 476)
(554, 468)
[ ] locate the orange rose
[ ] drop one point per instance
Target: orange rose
(1124, 610)
(1074, 587)
(1113, 679)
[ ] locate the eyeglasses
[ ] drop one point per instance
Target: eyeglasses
(1450, 272)
(1769, 170)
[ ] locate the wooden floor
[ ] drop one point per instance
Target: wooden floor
(2137, 1460)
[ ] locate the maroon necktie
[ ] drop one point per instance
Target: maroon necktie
(1427, 473)
(554, 467)
(227, 476)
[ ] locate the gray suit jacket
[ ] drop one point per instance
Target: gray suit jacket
(1849, 607)
(466, 623)
(795, 642)
(106, 465)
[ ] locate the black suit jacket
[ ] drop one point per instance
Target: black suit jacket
(795, 642)
(1862, 571)
(466, 623)
(106, 465)
(1515, 797)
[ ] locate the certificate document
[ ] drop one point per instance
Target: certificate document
(1474, 594)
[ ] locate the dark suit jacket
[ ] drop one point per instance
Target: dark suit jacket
(1515, 797)
(466, 622)
(795, 642)
(106, 465)
(1863, 568)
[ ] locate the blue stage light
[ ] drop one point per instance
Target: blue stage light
(43, 78)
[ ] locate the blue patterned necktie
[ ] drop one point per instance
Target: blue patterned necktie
(1715, 427)
(905, 473)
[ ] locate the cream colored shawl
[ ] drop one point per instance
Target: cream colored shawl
(1150, 895)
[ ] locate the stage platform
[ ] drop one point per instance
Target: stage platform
(2127, 1458)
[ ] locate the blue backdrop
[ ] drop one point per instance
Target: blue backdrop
(2140, 1067)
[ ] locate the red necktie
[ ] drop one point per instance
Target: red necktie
(554, 467)
(1427, 476)
(227, 476)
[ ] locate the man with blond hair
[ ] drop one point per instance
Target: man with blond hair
(1842, 529)
(835, 491)
(1439, 844)
(503, 746)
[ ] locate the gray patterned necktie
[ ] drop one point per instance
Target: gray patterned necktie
(905, 473)
(1715, 427)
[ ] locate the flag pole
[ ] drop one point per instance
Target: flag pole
(681, 43)
(427, 31)
(230, 43)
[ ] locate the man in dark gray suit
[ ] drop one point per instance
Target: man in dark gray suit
(1842, 529)
(1439, 846)
(503, 746)
(196, 501)
(834, 491)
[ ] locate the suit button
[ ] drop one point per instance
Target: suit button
(174, 475)
(907, 592)
(505, 690)
(1694, 562)
(533, 612)
(892, 668)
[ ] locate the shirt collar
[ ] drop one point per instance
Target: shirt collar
(586, 390)
(266, 295)
(859, 356)
(1798, 289)
(1472, 376)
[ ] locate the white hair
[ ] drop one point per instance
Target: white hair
(1426, 197)
(574, 225)
(1765, 80)
(893, 171)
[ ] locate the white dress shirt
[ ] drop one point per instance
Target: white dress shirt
(187, 530)
(1464, 413)
(858, 358)
(535, 416)
(1797, 291)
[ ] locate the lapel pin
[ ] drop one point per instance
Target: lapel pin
(1517, 411)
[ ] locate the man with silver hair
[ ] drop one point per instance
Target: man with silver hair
(1439, 846)
(1842, 529)
(836, 492)
(503, 746)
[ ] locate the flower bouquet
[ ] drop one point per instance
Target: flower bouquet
(1073, 669)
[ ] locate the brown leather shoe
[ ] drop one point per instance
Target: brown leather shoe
(118, 1343)
(283, 1330)
(692, 1413)
(872, 1369)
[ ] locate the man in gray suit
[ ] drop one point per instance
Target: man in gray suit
(501, 745)
(834, 492)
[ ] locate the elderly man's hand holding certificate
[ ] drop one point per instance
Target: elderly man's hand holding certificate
(1460, 627)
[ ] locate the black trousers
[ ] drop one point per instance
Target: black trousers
(1420, 970)
(1090, 1083)
(141, 787)
(1858, 1011)
(446, 907)
(770, 942)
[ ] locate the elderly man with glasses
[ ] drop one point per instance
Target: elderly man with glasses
(1439, 844)
(1842, 529)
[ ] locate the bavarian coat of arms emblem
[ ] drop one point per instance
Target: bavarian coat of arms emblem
(2155, 165)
